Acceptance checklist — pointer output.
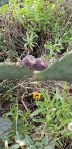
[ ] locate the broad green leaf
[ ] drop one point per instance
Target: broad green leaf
(5, 125)
(3, 2)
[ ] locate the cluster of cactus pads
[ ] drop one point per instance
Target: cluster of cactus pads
(22, 69)
(38, 68)
(34, 63)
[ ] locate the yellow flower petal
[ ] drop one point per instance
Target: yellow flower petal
(36, 95)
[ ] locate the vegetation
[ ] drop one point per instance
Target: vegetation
(33, 117)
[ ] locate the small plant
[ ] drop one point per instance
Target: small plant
(54, 48)
(30, 41)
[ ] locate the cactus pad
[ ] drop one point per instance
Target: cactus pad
(59, 70)
(11, 72)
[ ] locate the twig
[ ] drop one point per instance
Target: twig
(24, 104)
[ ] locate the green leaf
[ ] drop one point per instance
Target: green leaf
(45, 140)
(43, 120)
(32, 147)
(50, 147)
(3, 2)
(39, 145)
(2, 146)
(36, 112)
(28, 140)
(5, 124)
(15, 146)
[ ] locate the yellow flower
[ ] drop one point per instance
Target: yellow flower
(36, 95)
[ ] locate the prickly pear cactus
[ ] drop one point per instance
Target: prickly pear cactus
(60, 70)
(23, 69)
(12, 72)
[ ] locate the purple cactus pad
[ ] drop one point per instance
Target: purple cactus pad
(34, 63)
(40, 64)
(28, 61)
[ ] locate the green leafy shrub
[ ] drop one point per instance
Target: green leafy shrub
(55, 114)
(36, 17)
(47, 125)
